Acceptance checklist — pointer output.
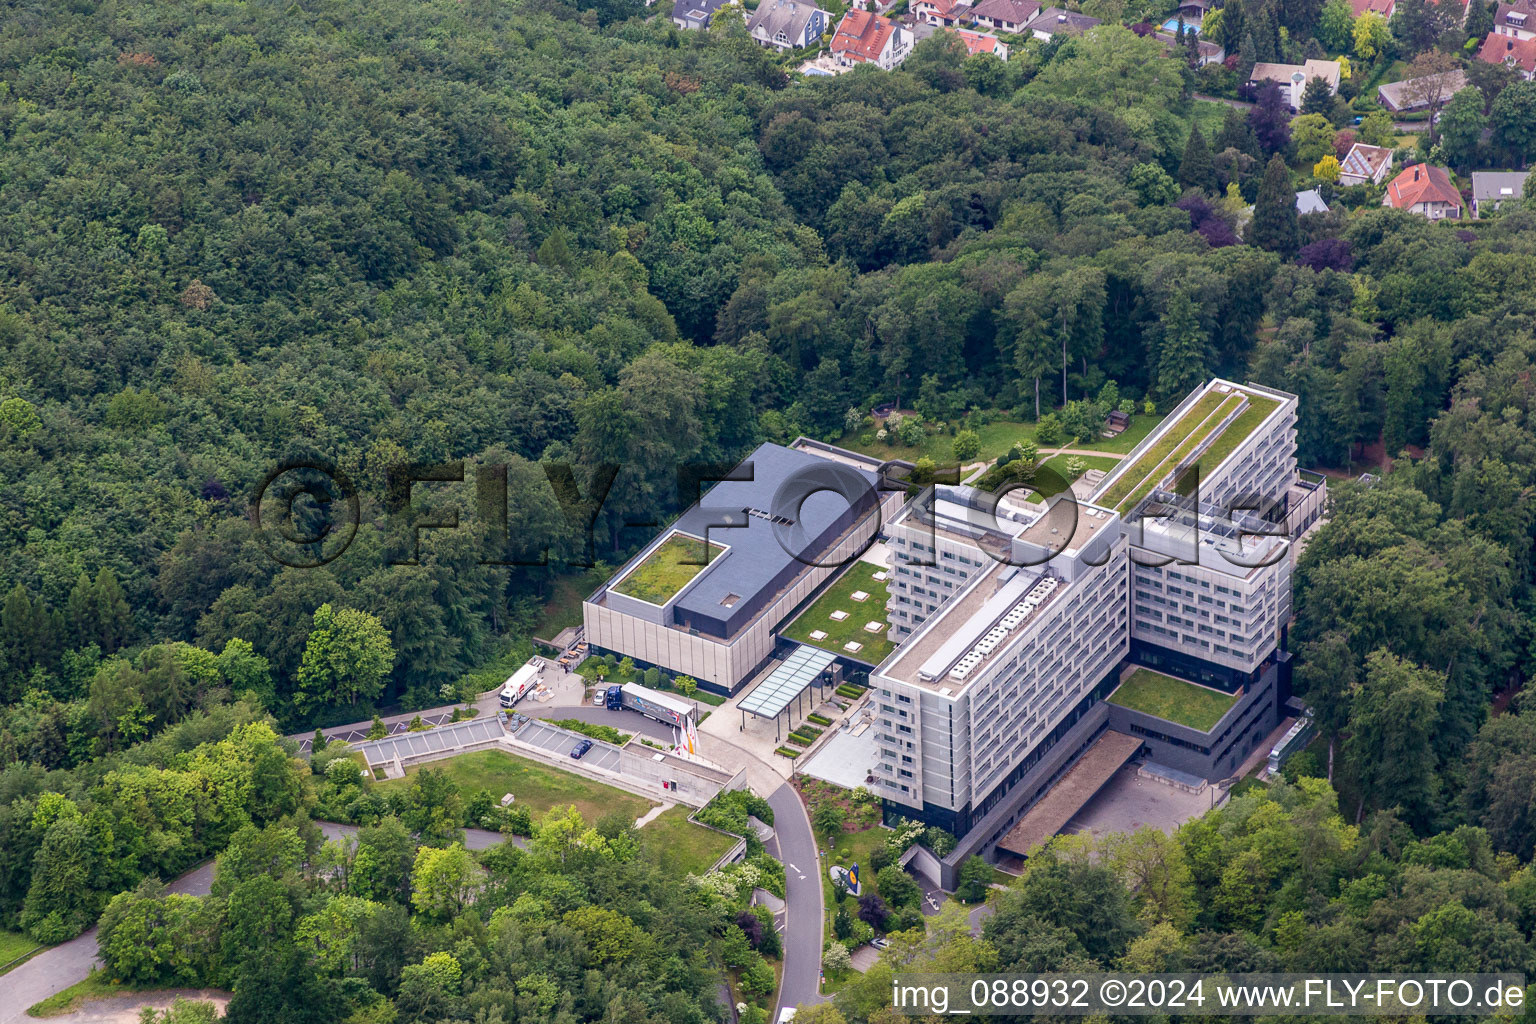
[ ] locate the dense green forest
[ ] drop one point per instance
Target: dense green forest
(424, 231)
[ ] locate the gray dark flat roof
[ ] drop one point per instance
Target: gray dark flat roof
(804, 491)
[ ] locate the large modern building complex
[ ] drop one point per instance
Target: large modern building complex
(706, 597)
(1025, 620)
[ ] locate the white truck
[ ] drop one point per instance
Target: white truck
(520, 682)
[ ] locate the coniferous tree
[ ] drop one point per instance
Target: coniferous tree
(1196, 170)
(1181, 363)
(1317, 97)
(1237, 134)
(1232, 27)
(1274, 224)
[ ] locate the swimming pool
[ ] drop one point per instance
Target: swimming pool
(1172, 25)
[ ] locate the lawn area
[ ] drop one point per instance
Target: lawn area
(996, 438)
(1173, 699)
(1059, 463)
(13, 946)
(667, 569)
(1211, 117)
(838, 596)
(536, 786)
(681, 846)
(1152, 464)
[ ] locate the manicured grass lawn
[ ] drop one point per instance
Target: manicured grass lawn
(681, 846)
(1059, 463)
(536, 786)
(1211, 117)
(12, 946)
(667, 569)
(1152, 464)
(852, 848)
(996, 438)
(818, 616)
(1173, 699)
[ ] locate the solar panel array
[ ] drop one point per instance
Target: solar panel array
(1017, 614)
(796, 672)
(409, 745)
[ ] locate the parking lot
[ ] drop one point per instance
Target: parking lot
(558, 741)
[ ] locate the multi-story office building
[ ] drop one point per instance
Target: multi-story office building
(1021, 619)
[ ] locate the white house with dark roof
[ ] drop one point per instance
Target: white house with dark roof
(787, 24)
(1054, 21)
(695, 14)
(1516, 20)
(1005, 15)
(1492, 189)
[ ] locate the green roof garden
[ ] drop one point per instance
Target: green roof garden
(667, 569)
(1173, 700)
(1246, 423)
(1179, 441)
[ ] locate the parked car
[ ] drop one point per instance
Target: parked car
(597, 697)
(580, 749)
(880, 942)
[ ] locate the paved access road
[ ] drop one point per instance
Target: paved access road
(56, 969)
(803, 896)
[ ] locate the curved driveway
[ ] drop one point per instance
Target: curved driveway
(804, 908)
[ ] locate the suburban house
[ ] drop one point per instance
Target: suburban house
(1385, 8)
(1516, 20)
(695, 14)
(1208, 52)
(1005, 15)
(1365, 164)
(864, 38)
(1053, 21)
(1193, 11)
(787, 24)
(1424, 190)
(1293, 78)
(1421, 93)
(941, 12)
(1516, 52)
(1310, 201)
(982, 42)
(1491, 189)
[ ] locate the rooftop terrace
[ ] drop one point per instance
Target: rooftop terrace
(1213, 426)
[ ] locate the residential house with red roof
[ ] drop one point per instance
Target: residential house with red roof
(1385, 8)
(1425, 190)
(864, 38)
(982, 42)
(942, 12)
(1517, 53)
